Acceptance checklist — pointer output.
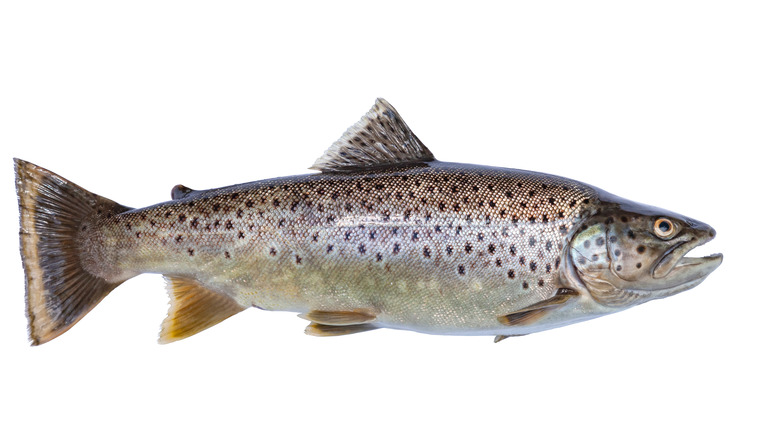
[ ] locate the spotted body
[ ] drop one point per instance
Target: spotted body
(385, 236)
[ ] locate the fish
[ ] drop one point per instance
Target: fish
(382, 236)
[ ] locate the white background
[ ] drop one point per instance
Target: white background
(673, 104)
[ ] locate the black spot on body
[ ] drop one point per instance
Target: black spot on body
(511, 273)
(461, 270)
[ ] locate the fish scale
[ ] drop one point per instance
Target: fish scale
(384, 236)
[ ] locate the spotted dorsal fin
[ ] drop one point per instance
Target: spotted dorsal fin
(379, 138)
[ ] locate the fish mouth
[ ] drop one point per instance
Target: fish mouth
(677, 270)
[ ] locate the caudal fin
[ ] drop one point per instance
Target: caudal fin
(53, 212)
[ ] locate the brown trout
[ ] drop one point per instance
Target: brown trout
(384, 236)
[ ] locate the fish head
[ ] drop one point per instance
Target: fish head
(628, 253)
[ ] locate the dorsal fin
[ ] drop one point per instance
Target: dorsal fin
(379, 138)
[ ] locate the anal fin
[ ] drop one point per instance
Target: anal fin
(324, 330)
(535, 312)
(194, 308)
(339, 318)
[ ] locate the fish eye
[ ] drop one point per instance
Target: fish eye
(663, 228)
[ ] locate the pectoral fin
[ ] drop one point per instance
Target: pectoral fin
(194, 309)
(537, 311)
(500, 338)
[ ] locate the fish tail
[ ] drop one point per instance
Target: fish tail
(54, 215)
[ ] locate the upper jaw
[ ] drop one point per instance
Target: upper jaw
(674, 269)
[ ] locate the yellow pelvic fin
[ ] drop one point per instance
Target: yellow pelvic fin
(323, 330)
(535, 312)
(339, 318)
(193, 308)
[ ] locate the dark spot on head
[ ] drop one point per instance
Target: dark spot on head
(640, 249)
(631, 234)
(594, 257)
(617, 252)
(586, 244)
(618, 268)
(639, 265)
(623, 219)
(600, 241)
(612, 239)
